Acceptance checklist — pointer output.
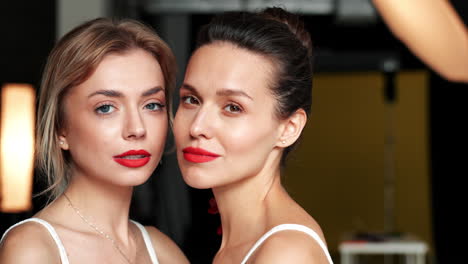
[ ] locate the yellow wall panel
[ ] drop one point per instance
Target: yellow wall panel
(337, 173)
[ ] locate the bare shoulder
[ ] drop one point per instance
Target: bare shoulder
(28, 243)
(167, 250)
(290, 246)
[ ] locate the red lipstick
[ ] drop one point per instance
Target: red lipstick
(198, 155)
(133, 158)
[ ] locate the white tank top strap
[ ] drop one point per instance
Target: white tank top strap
(52, 232)
(284, 227)
(148, 243)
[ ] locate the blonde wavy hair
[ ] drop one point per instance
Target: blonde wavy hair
(73, 59)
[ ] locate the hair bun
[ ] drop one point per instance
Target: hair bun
(294, 23)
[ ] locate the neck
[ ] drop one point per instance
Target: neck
(245, 206)
(102, 204)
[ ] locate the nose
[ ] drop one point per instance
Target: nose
(202, 124)
(134, 127)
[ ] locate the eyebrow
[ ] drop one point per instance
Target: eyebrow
(189, 87)
(152, 91)
(231, 92)
(114, 93)
(109, 93)
(224, 92)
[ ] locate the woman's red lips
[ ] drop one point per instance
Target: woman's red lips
(133, 158)
(198, 155)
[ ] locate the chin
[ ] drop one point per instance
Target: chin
(132, 182)
(136, 178)
(140, 181)
(196, 180)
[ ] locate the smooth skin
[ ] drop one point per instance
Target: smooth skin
(433, 31)
(120, 107)
(227, 108)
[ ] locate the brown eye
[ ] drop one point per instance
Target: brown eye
(190, 100)
(232, 108)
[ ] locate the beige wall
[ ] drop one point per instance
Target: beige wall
(72, 13)
(337, 173)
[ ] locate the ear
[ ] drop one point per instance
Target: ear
(62, 140)
(291, 128)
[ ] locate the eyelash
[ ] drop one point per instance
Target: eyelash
(191, 97)
(100, 107)
(159, 105)
(184, 98)
(240, 110)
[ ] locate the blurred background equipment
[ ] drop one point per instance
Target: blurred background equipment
(16, 147)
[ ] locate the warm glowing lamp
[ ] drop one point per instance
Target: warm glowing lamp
(16, 147)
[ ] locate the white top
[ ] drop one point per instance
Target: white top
(61, 248)
(284, 227)
(148, 244)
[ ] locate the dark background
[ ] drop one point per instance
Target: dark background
(27, 34)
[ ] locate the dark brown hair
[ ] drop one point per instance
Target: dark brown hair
(280, 36)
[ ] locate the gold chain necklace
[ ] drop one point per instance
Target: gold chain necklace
(102, 233)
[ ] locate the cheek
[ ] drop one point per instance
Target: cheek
(91, 141)
(87, 130)
(181, 125)
(157, 130)
(243, 141)
(248, 142)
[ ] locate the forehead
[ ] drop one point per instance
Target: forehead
(131, 71)
(224, 65)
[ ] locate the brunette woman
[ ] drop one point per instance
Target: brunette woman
(243, 104)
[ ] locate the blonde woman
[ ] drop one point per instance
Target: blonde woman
(103, 114)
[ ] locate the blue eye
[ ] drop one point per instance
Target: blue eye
(154, 106)
(232, 108)
(105, 109)
(190, 100)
